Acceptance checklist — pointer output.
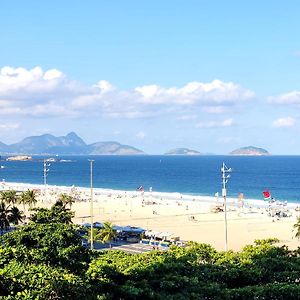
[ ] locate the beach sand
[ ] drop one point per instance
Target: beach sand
(189, 218)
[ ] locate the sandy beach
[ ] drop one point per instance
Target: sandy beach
(187, 217)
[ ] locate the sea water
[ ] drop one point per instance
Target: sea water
(191, 175)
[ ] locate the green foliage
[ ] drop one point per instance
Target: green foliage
(297, 228)
(269, 241)
(9, 215)
(66, 199)
(28, 198)
(87, 235)
(57, 214)
(16, 216)
(199, 272)
(269, 291)
(4, 213)
(106, 234)
(45, 260)
(53, 244)
(9, 197)
(260, 271)
(20, 281)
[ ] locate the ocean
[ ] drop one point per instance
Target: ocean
(191, 175)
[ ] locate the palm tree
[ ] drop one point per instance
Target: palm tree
(15, 216)
(107, 233)
(297, 227)
(23, 199)
(28, 198)
(87, 236)
(4, 213)
(66, 199)
(9, 197)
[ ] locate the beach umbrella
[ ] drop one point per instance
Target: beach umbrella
(267, 195)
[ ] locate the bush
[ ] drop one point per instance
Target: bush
(23, 281)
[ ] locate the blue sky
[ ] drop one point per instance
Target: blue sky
(208, 75)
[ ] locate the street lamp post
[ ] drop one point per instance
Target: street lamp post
(46, 171)
(92, 200)
(225, 177)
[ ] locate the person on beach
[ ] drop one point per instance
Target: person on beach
(240, 203)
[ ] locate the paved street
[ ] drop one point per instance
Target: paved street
(127, 247)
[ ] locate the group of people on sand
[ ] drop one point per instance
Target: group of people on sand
(275, 209)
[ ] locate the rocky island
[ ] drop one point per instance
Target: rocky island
(113, 148)
(250, 150)
(19, 158)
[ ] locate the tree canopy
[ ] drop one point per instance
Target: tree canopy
(57, 214)
(260, 271)
(106, 234)
(45, 260)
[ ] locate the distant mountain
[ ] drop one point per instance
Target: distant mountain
(112, 148)
(3, 148)
(49, 144)
(71, 144)
(182, 151)
(250, 150)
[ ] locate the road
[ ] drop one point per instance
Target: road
(126, 247)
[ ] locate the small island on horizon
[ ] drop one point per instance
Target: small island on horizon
(250, 151)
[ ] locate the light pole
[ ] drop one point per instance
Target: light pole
(92, 208)
(46, 171)
(225, 177)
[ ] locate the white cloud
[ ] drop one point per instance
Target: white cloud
(53, 74)
(34, 84)
(215, 109)
(153, 100)
(284, 122)
(216, 124)
(50, 109)
(35, 92)
(291, 98)
(214, 92)
(104, 86)
(149, 91)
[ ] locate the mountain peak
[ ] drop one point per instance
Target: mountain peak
(71, 144)
(73, 139)
(72, 134)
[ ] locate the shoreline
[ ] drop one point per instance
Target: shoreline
(176, 196)
(186, 217)
(189, 177)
